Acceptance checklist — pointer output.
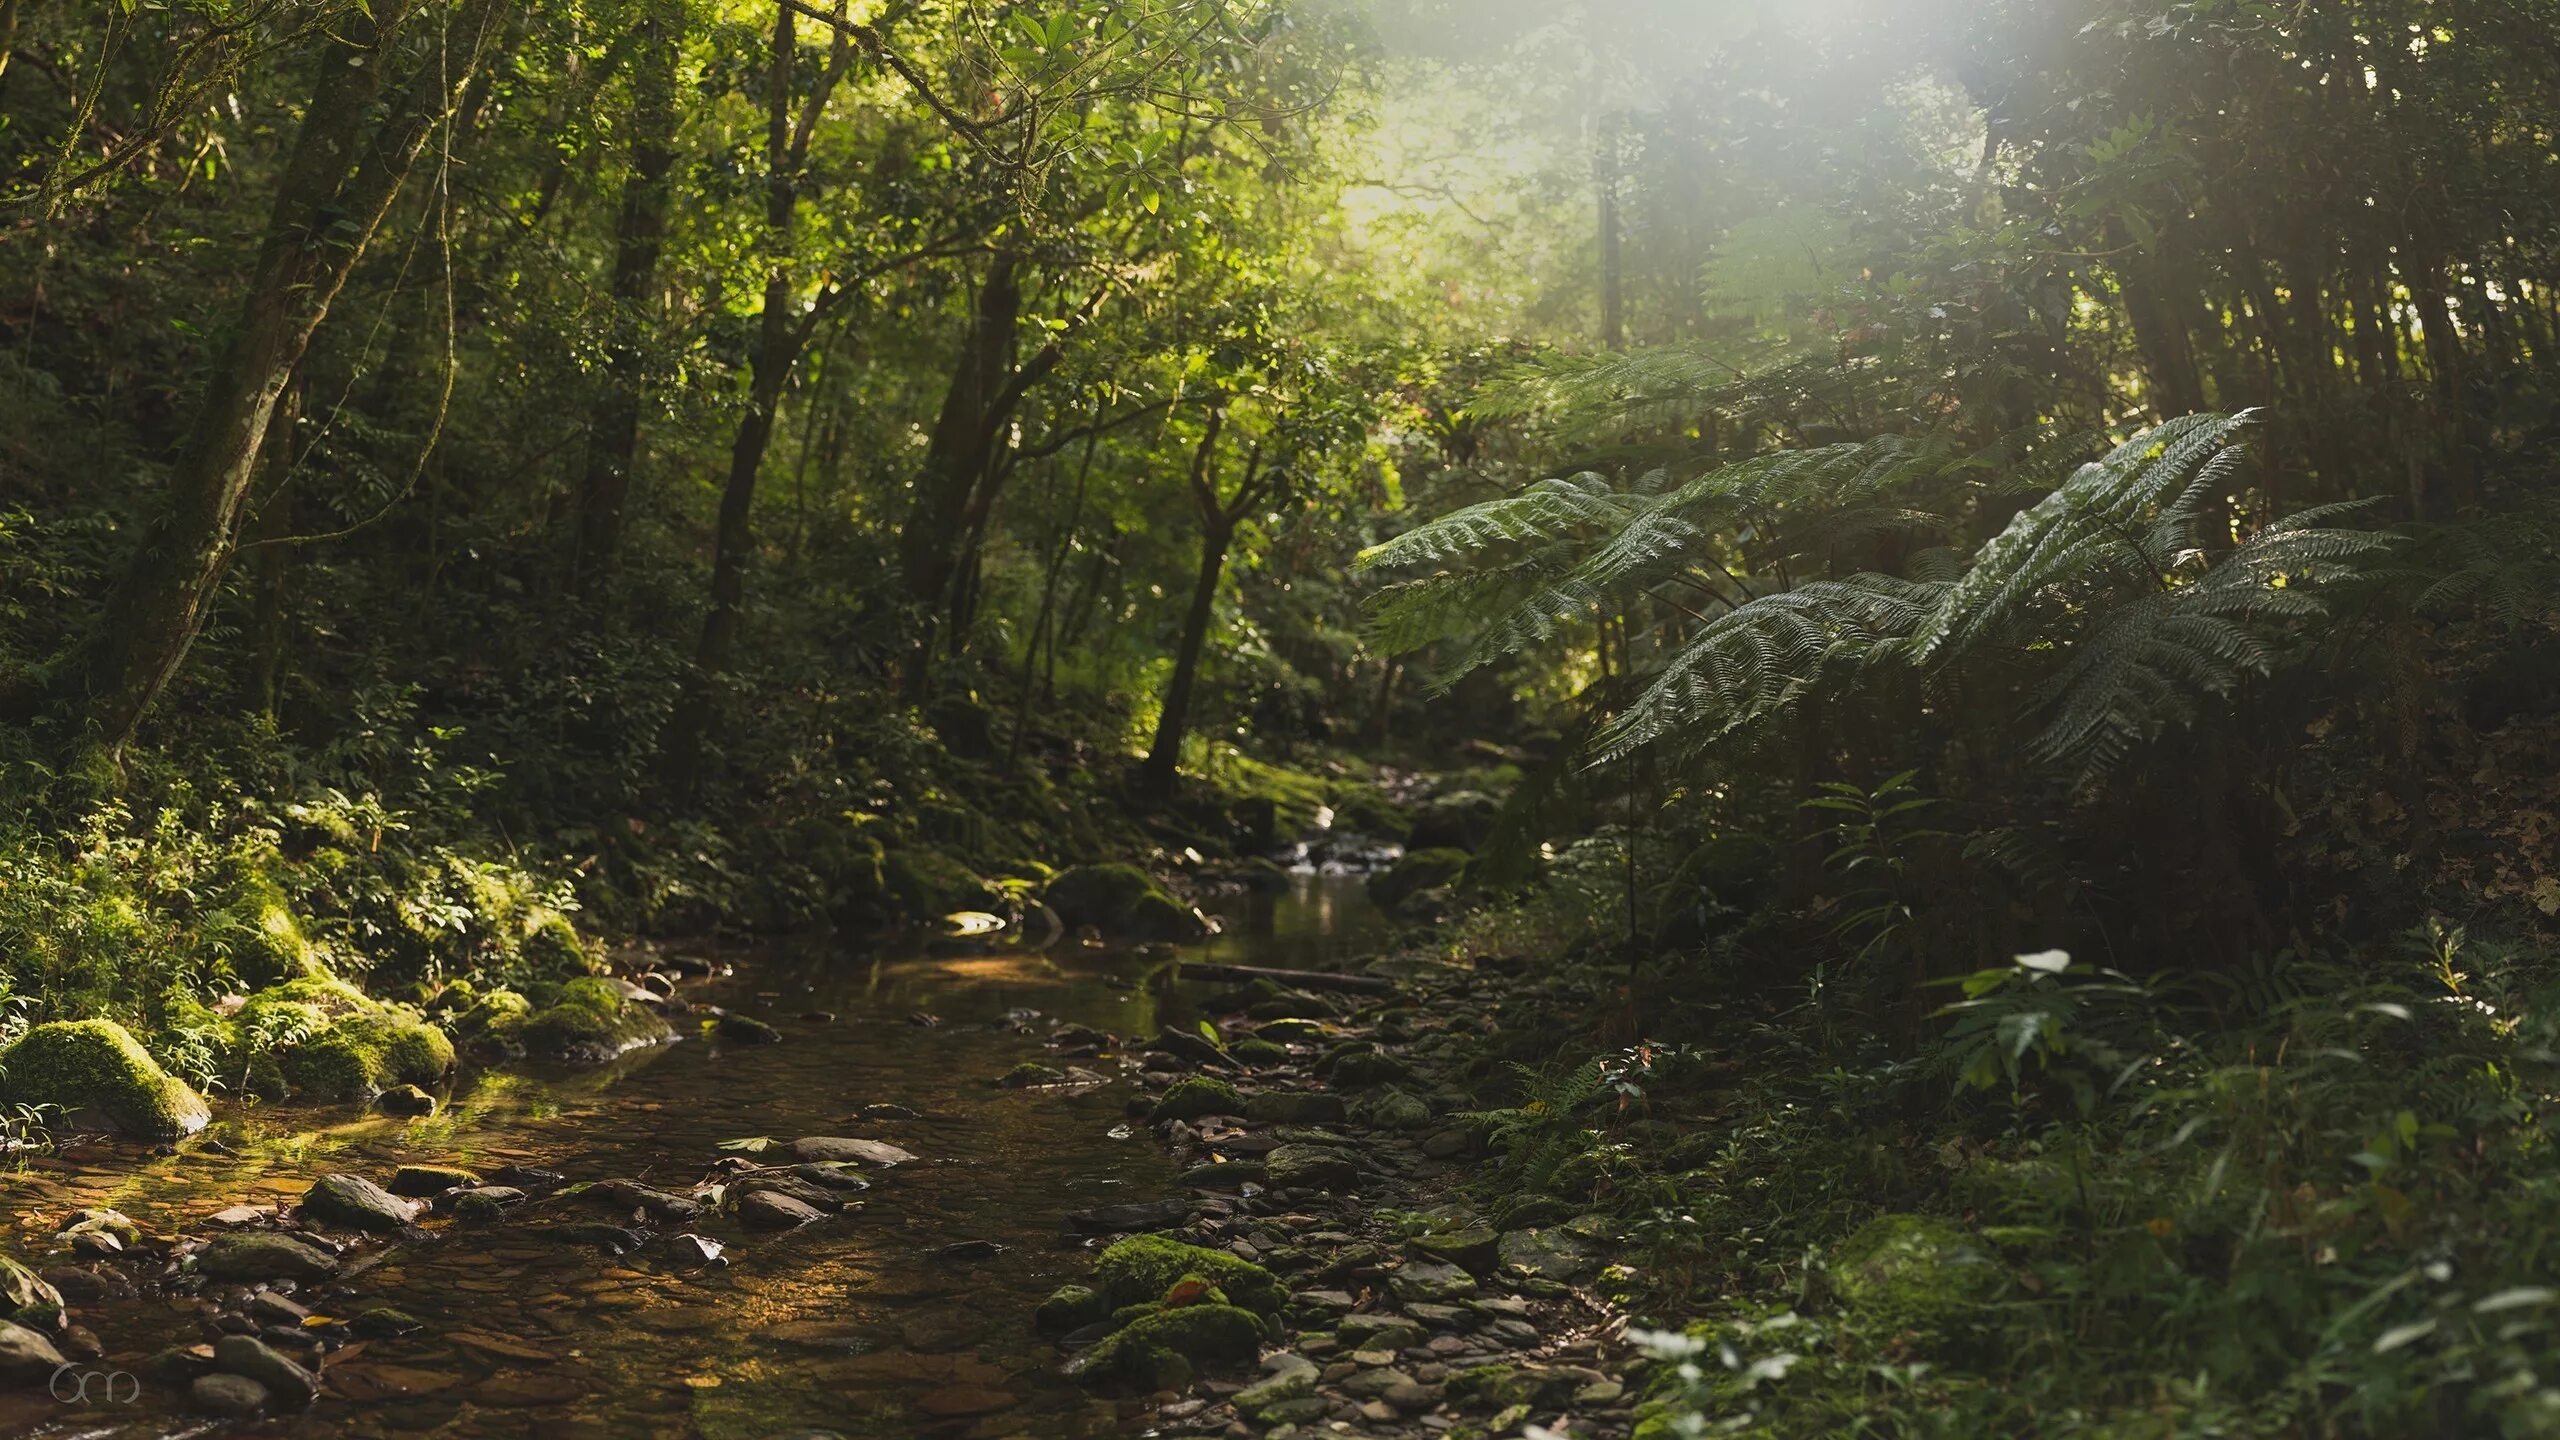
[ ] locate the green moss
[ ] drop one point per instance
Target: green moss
(362, 1055)
(1121, 900)
(1422, 870)
(496, 1015)
(589, 1022)
(1191, 1098)
(1913, 1270)
(1072, 1307)
(1490, 1387)
(1259, 1053)
(927, 882)
(257, 932)
(1143, 1267)
(1158, 1350)
(552, 946)
(95, 1068)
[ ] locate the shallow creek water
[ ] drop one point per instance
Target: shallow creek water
(851, 1324)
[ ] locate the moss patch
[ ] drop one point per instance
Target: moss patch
(1143, 1267)
(1123, 901)
(95, 1068)
(1422, 870)
(1159, 1350)
(1914, 1270)
(1191, 1098)
(588, 1024)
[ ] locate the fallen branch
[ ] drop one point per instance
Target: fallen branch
(1302, 979)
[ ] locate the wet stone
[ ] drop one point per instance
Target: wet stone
(229, 1396)
(418, 1181)
(283, 1378)
(774, 1210)
(264, 1256)
(356, 1203)
(822, 1148)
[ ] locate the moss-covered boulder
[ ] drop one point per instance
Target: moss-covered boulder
(1913, 1270)
(255, 930)
(1459, 820)
(361, 1056)
(925, 882)
(1072, 1307)
(1394, 887)
(1191, 1098)
(1142, 1268)
(1162, 1349)
(97, 1073)
(588, 1023)
(1124, 902)
(552, 947)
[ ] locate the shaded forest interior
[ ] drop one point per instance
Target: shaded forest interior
(1967, 592)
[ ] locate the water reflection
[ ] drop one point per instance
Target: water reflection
(850, 1324)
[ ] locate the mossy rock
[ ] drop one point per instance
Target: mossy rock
(552, 947)
(1122, 901)
(361, 1056)
(494, 1015)
(1072, 1307)
(1490, 1387)
(93, 1070)
(1913, 1270)
(1362, 1069)
(588, 1024)
(926, 882)
(1191, 1098)
(258, 932)
(1259, 1053)
(1142, 1268)
(1160, 1350)
(1418, 871)
(1459, 820)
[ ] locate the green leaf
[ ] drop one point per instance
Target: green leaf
(2399, 1335)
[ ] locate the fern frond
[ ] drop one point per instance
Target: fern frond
(1545, 511)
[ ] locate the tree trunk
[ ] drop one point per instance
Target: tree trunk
(956, 456)
(1155, 778)
(780, 336)
(648, 197)
(272, 564)
(329, 203)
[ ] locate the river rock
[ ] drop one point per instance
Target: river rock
(632, 1195)
(358, 1204)
(816, 1197)
(1379, 1332)
(232, 1397)
(487, 1203)
(1292, 1107)
(1552, 1254)
(405, 1100)
(1311, 1167)
(417, 1181)
(26, 1357)
(264, 1255)
(1293, 1380)
(1429, 1280)
(1127, 1219)
(773, 1210)
(824, 1148)
(831, 1175)
(690, 1249)
(740, 1029)
(287, 1381)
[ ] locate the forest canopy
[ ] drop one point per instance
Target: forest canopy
(1856, 490)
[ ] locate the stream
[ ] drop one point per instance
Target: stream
(851, 1325)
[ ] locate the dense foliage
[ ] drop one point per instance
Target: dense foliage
(1898, 486)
